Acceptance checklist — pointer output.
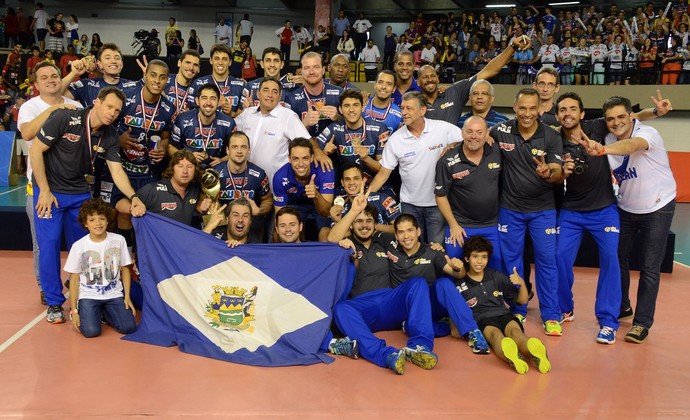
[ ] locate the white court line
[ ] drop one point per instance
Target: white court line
(680, 263)
(21, 332)
(13, 190)
(26, 329)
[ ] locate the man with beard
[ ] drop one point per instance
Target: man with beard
(373, 304)
(467, 190)
(178, 84)
(379, 107)
(316, 103)
(353, 181)
(230, 88)
(108, 62)
(238, 214)
(531, 153)
(240, 178)
(447, 106)
(203, 130)
(646, 201)
(178, 195)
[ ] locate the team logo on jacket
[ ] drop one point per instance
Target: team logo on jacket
(232, 308)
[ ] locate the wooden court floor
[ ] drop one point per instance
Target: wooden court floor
(50, 371)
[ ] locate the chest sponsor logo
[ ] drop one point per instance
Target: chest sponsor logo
(461, 175)
(161, 187)
(494, 165)
(462, 287)
(169, 206)
(538, 152)
(71, 137)
(74, 121)
(422, 261)
(409, 154)
(472, 302)
(508, 147)
(392, 257)
(504, 128)
(446, 105)
(436, 146)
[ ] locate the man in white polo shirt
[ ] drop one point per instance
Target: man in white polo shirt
(416, 147)
(646, 201)
(270, 128)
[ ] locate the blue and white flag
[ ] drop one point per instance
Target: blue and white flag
(265, 305)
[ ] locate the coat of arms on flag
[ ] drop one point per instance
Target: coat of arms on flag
(267, 305)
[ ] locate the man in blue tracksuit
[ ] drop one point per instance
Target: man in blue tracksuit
(531, 153)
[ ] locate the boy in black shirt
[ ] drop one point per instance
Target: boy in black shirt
(486, 291)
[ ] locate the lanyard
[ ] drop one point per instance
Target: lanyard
(225, 85)
(318, 105)
(371, 111)
(92, 149)
(232, 179)
(180, 104)
(147, 127)
(204, 143)
(361, 136)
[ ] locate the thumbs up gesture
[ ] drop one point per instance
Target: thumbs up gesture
(515, 278)
(310, 189)
(330, 146)
(311, 118)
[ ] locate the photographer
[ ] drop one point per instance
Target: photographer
(148, 43)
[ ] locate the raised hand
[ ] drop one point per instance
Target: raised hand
(663, 106)
(568, 165)
(310, 189)
(592, 147)
(455, 263)
(515, 277)
(311, 118)
(330, 147)
(542, 169)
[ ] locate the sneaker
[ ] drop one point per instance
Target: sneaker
(478, 343)
(553, 327)
(396, 362)
(637, 334)
(344, 347)
(607, 335)
(510, 351)
(538, 352)
(626, 314)
(567, 317)
(421, 356)
(521, 318)
(43, 298)
(55, 314)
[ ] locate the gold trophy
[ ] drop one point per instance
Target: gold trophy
(210, 187)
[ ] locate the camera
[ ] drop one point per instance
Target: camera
(580, 166)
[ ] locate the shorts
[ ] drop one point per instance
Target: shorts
(41, 34)
(615, 75)
(500, 322)
(22, 147)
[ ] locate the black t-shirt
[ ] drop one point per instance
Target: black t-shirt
(71, 155)
(56, 27)
(425, 263)
(448, 105)
(161, 198)
(522, 189)
(373, 271)
(488, 297)
(472, 190)
(593, 188)
(549, 117)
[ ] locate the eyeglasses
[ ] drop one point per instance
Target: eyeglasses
(548, 85)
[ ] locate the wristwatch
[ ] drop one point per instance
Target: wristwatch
(133, 197)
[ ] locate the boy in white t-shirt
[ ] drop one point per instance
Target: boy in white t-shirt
(99, 266)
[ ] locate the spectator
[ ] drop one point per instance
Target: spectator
(286, 36)
(67, 59)
(324, 40)
(362, 26)
(96, 44)
(11, 28)
(84, 45)
(346, 45)
(194, 43)
(171, 32)
(671, 62)
(25, 38)
(371, 57)
(390, 41)
(223, 32)
(57, 28)
(647, 65)
(175, 45)
(32, 61)
(245, 30)
(73, 29)
(249, 65)
(340, 24)
(581, 58)
(40, 23)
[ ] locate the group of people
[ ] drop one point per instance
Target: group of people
(434, 203)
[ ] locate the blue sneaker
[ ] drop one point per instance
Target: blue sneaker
(607, 335)
(396, 362)
(344, 347)
(421, 356)
(478, 342)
